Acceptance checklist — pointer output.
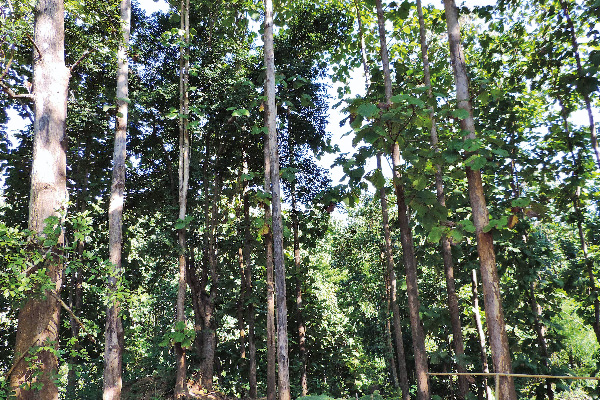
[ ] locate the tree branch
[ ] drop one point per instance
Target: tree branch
(13, 95)
(84, 55)
(72, 314)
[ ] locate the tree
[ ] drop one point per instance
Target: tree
(408, 251)
(37, 332)
(113, 353)
(278, 256)
(485, 244)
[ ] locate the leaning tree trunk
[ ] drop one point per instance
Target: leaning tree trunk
(485, 242)
(391, 278)
(453, 308)
(113, 349)
(184, 174)
(38, 322)
(278, 256)
(408, 249)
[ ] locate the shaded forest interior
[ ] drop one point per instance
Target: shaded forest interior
(169, 228)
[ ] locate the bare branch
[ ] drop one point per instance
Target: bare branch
(72, 314)
(84, 55)
(13, 95)
(34, 45)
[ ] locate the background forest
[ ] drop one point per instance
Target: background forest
(391, 273)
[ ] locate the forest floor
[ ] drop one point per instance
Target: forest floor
(158, 387)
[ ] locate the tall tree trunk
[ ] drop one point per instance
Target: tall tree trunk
(388, 333)
(540, 331)
(481, 335)
(579, 218)
(268, 238)
(457, 338)
(113, 349)
(485, 242)
(408, 251)
(580, 73)
(209, 338)
(278, 256)
(299, 308)
(184, 174)
(250, 304)
(391, 278)
(38, 321)
(363, 51)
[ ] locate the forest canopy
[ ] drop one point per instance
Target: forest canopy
(181, 217)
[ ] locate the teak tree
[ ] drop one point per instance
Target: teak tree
(38, 325)
(113, 349)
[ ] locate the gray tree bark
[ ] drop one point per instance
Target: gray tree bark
(184, 175)
(113, 349)
(38, 320)
(278, 256)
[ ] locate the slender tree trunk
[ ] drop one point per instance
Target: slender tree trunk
(388, 333)
(363, 51)
(209, 339)
(408, 251)
(485, 242)
(114, 341)
(38, 321)
(391, 278)
(299, 308)
(278, 256)
(268, 238)
(481, 335)
(453, 308)
(250, 304)
(540, 331)
(579, 217)
(184, 174)
(580, 73)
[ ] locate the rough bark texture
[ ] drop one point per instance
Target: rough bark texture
(38, 320)
(184, 174)
(408, 251)
(268, 238)
(485, 243)
(113, 349)
(453, 308)
(391, 279)
(481, 335)
(278, 256)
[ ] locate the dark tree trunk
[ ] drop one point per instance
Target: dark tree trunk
(38, 321)
(453, 308)
(485, 242)
(389, 355)
(391, 279)
(300, 316)
(408, 251)
(278, 256)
